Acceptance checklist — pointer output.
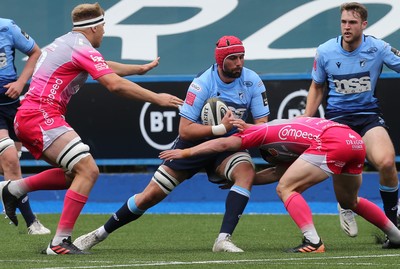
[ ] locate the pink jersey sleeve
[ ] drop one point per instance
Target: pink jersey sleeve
(92, 61)
(254, 136)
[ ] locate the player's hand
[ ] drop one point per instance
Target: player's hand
(240, 124)
(171, 154)
(14, 89)
(147, 67)
(226, 120)
(169, 100)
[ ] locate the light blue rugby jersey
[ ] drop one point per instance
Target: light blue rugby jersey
(246, 94)
(352, 76)
(11, 38)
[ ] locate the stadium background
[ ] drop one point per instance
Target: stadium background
(280, 39)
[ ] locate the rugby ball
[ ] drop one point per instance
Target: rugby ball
(213, 111)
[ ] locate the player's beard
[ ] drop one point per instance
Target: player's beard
(235, 73)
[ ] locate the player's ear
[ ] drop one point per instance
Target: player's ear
(364, 24)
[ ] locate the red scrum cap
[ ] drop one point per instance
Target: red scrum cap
(226, 46)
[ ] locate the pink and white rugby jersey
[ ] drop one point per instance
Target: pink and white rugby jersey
(61, 71)
(285, 140)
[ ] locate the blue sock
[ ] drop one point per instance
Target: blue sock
(127, 213)
(235, 204)
(26, 211)
(390, 197)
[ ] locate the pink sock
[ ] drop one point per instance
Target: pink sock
(52, 179)
(372, 213)
(299, 210)
(73, 204)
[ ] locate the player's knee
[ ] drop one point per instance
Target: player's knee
(6, 143)
(240, 167)
(284, 190)
(279, 190)
(164, 180)
(387, 164)
(72, 153)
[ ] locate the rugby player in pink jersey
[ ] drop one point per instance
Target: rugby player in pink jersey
(307, 151)
(40, 121)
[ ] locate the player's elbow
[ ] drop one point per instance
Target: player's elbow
(113, 83)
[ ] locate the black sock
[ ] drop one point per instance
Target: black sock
(390, 200)
(25, 209)
(234, 206)
(120, 218)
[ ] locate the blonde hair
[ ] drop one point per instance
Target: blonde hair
(86, 11)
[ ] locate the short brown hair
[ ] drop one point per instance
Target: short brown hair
(358, 8)
(86, 11)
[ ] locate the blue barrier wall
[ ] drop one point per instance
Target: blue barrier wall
(196, 195)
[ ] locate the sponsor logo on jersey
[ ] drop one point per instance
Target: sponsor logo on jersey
(99, 62)
(190, 97)
(101, 66)
(352, 83)
(195, 86)
(248, 83)
(53, 90)
(287, 132)
(264, 97)
(47, 119)
(25, 34)
(242, 96)
(354, 142)
(3, 58)
(372, 50)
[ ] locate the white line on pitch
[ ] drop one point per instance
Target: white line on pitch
(274, 261)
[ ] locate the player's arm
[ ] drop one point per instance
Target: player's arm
(189, 130)
(314, 98)
(129, 89)
(231, 143)
(132, 69)
(15, 88)
(271, 174)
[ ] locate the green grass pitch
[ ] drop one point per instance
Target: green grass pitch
(185, 241)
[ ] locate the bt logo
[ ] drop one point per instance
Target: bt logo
(157, 127)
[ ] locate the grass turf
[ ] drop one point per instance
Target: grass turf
(185, 241)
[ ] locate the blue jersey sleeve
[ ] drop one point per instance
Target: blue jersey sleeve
(390, 59)
(318, 73)
(259, 106)
(22, 41)
(197, 93)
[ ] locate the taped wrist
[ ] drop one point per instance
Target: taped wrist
(218, 129)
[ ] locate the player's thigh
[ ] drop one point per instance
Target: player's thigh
(300, 176)
(346, 189)
(53, 151)
(379, 146)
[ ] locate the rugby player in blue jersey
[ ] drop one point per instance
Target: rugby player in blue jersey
(13, 38)
(350, 65)
(244, 93)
